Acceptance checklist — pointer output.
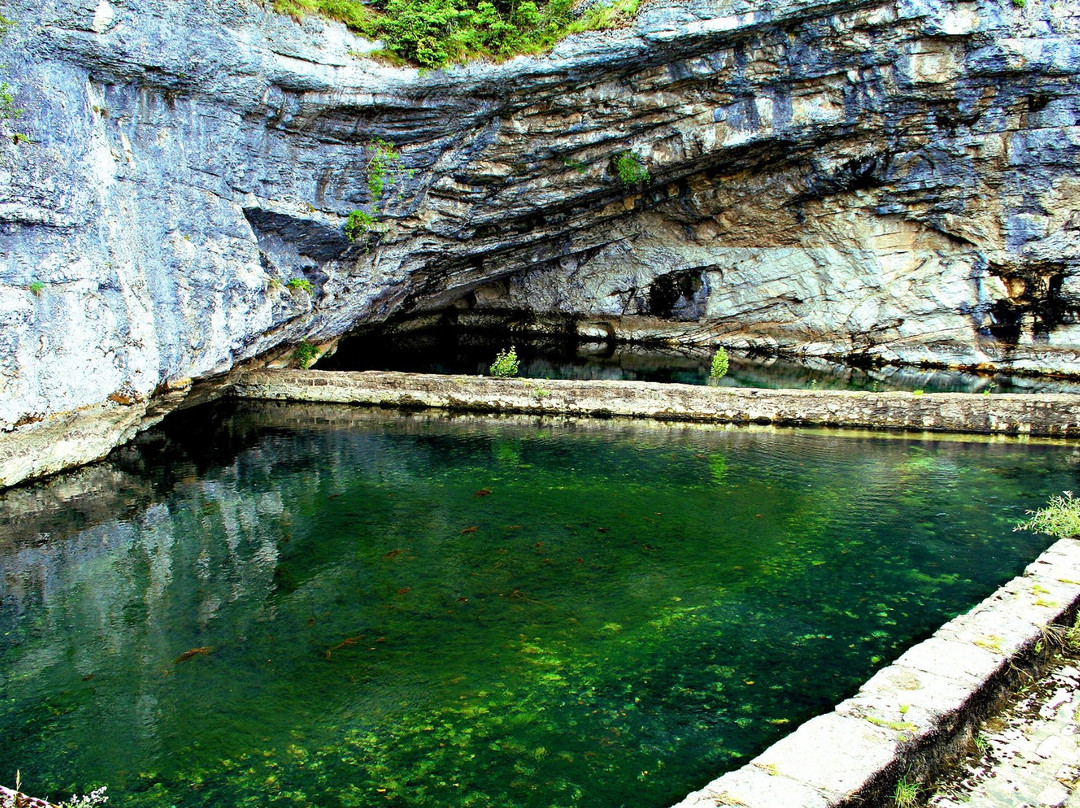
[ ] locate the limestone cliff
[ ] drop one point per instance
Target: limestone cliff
(891, 178)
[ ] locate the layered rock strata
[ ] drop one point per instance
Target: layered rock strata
(884, 178)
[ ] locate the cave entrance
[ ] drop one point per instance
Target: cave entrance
(460, 342)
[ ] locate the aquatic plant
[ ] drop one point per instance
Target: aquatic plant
(506, 364)
(719, 366)
(1061, 518)
(630, 168)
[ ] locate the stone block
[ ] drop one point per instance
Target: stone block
(753, 787)
(905, 702)
(812, 755)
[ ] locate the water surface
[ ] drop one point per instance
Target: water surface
(456, 351)
(315, 605)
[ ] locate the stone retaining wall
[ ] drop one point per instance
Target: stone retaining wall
(915, 714)
(1014, 414)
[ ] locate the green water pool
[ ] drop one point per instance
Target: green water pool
(305, 605)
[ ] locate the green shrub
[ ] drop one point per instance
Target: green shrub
(1061, 518)
(354, 14)
(359, 224)
(435, 33)
(301, 283)
(603, 16)
(37, 287)
(305, 353)
(630, 168)
(384, 168)
(505, 364)
(719, 367)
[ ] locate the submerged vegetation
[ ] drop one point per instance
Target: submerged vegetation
(435, 33)
(455, 614)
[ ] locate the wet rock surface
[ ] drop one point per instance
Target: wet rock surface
(890, 179)
(1028, 756)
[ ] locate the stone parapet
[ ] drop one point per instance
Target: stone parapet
(1011, 414)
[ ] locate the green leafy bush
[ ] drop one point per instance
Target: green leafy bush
(435, 33)
(359, 224)
(384, 168)
(506, 364)
(630, 168)
(300, 283)
(719, 367)
(305, 353)
(37, 287)
(1061, 518)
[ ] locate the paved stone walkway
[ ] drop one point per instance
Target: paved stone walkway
(1030, 753)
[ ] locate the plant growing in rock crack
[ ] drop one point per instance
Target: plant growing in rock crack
(384, 168)
(630, 169)
(359, 224)
(8, 111)
(506, 364)
(302, 284)
(37, 287)
(906, 794)
(305, 353)
(719, 367)
(981, 744)
(1061, 518)
(575, 164)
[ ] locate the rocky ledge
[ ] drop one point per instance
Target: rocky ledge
(1045, 415)
(886, 179)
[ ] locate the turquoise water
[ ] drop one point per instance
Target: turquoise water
(317, 606)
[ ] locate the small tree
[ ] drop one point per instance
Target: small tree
(506, 364)
(719, 366)
(1061, 518)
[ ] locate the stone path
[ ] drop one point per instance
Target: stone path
(1030, 754)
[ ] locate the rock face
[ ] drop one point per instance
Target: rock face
(889, 178)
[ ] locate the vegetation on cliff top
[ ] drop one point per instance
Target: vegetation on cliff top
(435, 33)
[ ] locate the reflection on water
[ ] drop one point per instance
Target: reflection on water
(315, 605)
(472, 352)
